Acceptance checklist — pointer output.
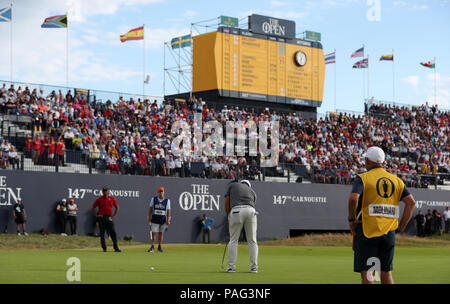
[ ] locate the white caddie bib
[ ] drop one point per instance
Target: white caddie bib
(390, 211)
(159, 212)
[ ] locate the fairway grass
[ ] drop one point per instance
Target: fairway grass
(200, 264)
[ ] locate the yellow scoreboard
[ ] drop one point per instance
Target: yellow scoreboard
(241, 64)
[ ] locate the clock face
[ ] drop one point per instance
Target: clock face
(300, 58)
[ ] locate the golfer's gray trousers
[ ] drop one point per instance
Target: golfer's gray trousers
(242, 217)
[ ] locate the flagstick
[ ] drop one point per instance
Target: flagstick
(335, 80)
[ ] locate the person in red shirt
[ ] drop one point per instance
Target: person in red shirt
(105, 216)
(51, 151)
(60, 149)
(36, 149)
(28, 144)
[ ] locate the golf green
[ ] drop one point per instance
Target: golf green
(183, 264)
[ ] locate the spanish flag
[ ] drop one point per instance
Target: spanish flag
(134, 34)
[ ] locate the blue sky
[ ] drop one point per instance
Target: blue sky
(416, 30)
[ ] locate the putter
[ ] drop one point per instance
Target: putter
(223, 257)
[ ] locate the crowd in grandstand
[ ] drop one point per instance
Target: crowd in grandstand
(134, 137)
(9, 158)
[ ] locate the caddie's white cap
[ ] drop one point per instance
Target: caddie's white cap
(244, 181)
(375, 154)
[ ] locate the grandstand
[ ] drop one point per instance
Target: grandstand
(131, 136)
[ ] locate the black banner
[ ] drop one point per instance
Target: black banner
(282, 206)
(271, 26)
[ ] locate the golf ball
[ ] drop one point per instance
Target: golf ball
(152, 268)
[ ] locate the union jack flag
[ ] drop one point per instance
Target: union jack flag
(362, 64)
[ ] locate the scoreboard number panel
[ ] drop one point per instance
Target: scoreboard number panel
(260, 67)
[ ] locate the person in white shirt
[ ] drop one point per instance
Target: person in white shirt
(72, 209)
(446, 215)
(13, 158)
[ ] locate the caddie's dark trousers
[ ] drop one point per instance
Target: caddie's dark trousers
(106, 223)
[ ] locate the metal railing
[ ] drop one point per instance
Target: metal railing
(97, 96)
(74, 161)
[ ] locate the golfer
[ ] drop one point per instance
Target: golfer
(373, 211)
(240, 201)
(105, 216)
(159, 218)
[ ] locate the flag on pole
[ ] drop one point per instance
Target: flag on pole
(134, 34)
(387, 57)
(59, 21)
(330, 58)
(362, 64)
(181, 42)
(358, 53)
(429, 64)
(5, 14)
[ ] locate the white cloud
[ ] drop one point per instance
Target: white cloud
(404, 4)
(190, 13)
(412, 80)
(400, 3)
(79, 10)
(278, 14)
(277, 3)
(419, 7)
(442, 90)
(40, 54)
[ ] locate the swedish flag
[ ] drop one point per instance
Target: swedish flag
(181, 42)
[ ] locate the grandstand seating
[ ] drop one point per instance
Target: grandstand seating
(133, 137)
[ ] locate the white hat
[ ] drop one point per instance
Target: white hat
(375, 154)
(64, 200)
(244, 181)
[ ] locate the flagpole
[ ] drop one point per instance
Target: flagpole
(368, 77)
(11, 46)
(143, 63)
(164, 77)
(192, 64)
(334, 80)
(393, 79)
(435, 96)
(364, 82)
(364, 79)
(67, 52)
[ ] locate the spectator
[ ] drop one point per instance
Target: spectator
(446, 217)
(206, 228)
(420, 223)
(13, 158)
(61, 212)
(428, 222)
(437, 222)
(20, 216)
(72, 211)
